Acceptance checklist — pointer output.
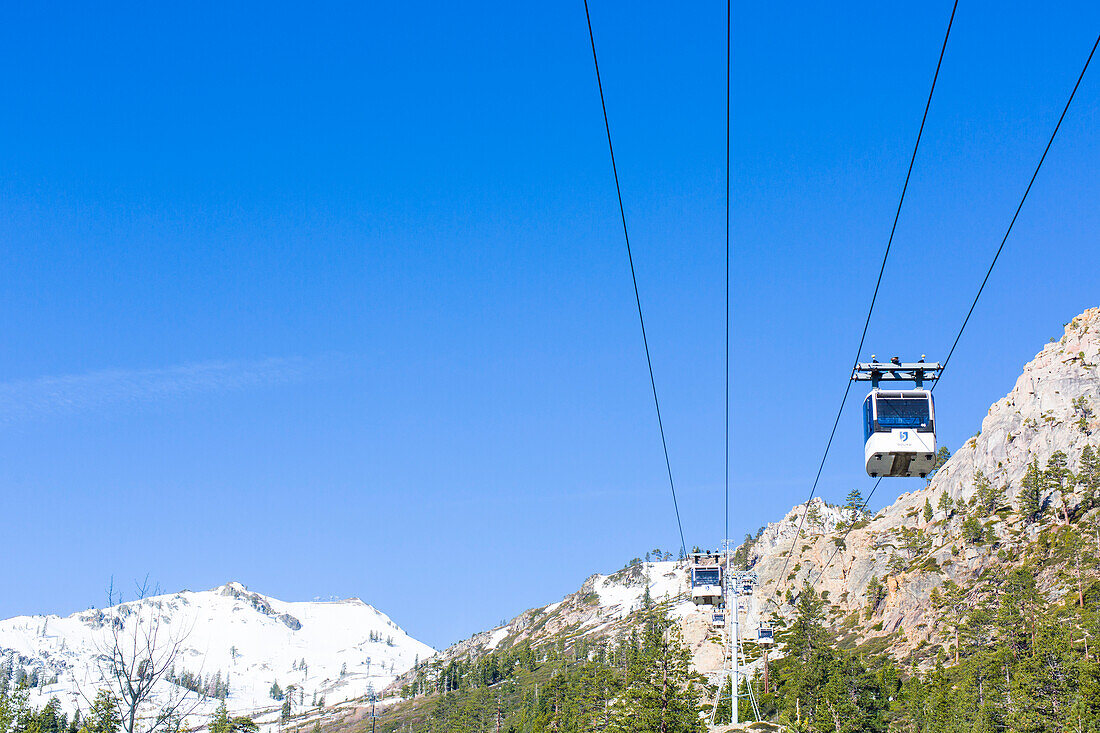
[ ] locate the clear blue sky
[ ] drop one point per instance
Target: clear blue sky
(335, 301)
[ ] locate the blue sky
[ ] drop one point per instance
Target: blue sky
(331, 301)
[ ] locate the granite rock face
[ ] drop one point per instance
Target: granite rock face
(1054, 406)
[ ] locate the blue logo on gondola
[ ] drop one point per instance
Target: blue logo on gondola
(904, 435)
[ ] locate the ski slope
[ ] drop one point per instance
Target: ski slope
(336, 649)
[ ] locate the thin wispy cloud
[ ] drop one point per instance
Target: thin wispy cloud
(43, 397)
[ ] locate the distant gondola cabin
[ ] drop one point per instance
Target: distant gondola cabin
(706, 580)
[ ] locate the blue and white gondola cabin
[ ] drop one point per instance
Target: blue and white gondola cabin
(706, 580)
(899, 428)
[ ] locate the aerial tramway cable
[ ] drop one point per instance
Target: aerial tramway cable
(730, 637)
(878, 283)
(726, 530)
(1020, 206)
(634, 278)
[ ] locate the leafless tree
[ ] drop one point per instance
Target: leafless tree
(137, 649)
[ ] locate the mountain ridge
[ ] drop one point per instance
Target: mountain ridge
(245, 642)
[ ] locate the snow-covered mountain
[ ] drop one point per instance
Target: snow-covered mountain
(231, 636)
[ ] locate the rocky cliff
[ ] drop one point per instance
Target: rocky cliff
(880, 581)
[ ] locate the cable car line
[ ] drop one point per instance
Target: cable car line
(730, 633)
(726, 530)
(878, 283)
(634, 278)
(1021, 205)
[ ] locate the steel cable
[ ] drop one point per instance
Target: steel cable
(634, 279)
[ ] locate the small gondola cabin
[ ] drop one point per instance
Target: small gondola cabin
(706, 579)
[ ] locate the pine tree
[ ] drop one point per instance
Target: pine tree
(823, 689)
(944, 504)
(915, 541)
(949, 601)
(1030, 496)
(942, 455)
(927, 510)
(661, 693)
(13, 710)
(1088, 474)
(50, 719)
(220, 722)
(973, 531)
(103, 717)
(243, 724)
(1017, 611)
(1054, 479)
(807, 632)
(851, 698)
(1083, 411)
(982, 494)
(854, 504)
(876, 592)
(813, 516)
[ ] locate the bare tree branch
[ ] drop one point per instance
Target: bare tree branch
(134, 656)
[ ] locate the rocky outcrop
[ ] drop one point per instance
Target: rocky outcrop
(1054, 407)
(259, 603)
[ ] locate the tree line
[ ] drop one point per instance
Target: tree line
(641, 682)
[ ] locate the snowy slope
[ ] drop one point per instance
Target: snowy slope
(250, 640)
(602, 608)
